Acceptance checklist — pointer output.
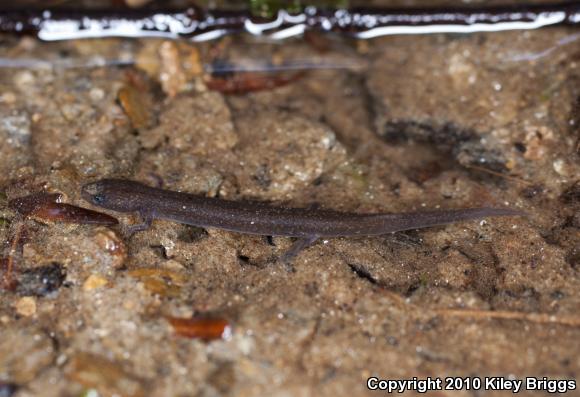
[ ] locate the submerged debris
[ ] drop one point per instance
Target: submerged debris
(204, 328)
(66, 213)
(244, 83)
(27, 205)
(46, 207)
(136, 103)
(465, 145)
(163, 282)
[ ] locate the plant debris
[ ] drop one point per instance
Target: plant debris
(204, 328)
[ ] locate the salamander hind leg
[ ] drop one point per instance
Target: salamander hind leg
(299, 245)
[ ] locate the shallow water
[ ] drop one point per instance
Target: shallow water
(439, 121)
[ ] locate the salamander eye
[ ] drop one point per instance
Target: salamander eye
(98, 198)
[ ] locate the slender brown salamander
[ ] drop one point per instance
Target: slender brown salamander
(198, 24)
(263, 219)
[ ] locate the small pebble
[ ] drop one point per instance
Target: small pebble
(96, 94)
(137, 106)
(8, 98)
(561, 167)
(94, 281)
(26, 306)
(24, 79)
(108, 241)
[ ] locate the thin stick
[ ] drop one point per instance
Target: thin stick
(539, 318)
(9, 261)
(499, 174)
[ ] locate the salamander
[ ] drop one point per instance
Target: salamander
(261, 218)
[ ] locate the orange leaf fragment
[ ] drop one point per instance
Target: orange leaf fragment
(205, 328)
(48, 208)
(249, 82)
(67, 213)
(137, 105)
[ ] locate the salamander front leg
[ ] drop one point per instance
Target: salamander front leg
(147, 218)
(299, 245)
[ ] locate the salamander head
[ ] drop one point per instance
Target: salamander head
(114, 194)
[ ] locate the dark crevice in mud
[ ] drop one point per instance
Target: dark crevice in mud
(487, 279)
(520, 147)
(562, 234)
(41, 280)
(447, 135)
(464, 144)
(566, 236)
(363, 273)
(412, 289)
(406, 289)
(572, 221)
(160, 251)
(533, 192)
(245, 261)
(526, 298)
(192, 234)
(485, 273)
(573, 259)
(572, 194)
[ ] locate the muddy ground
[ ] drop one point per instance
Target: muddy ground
(443, 121)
